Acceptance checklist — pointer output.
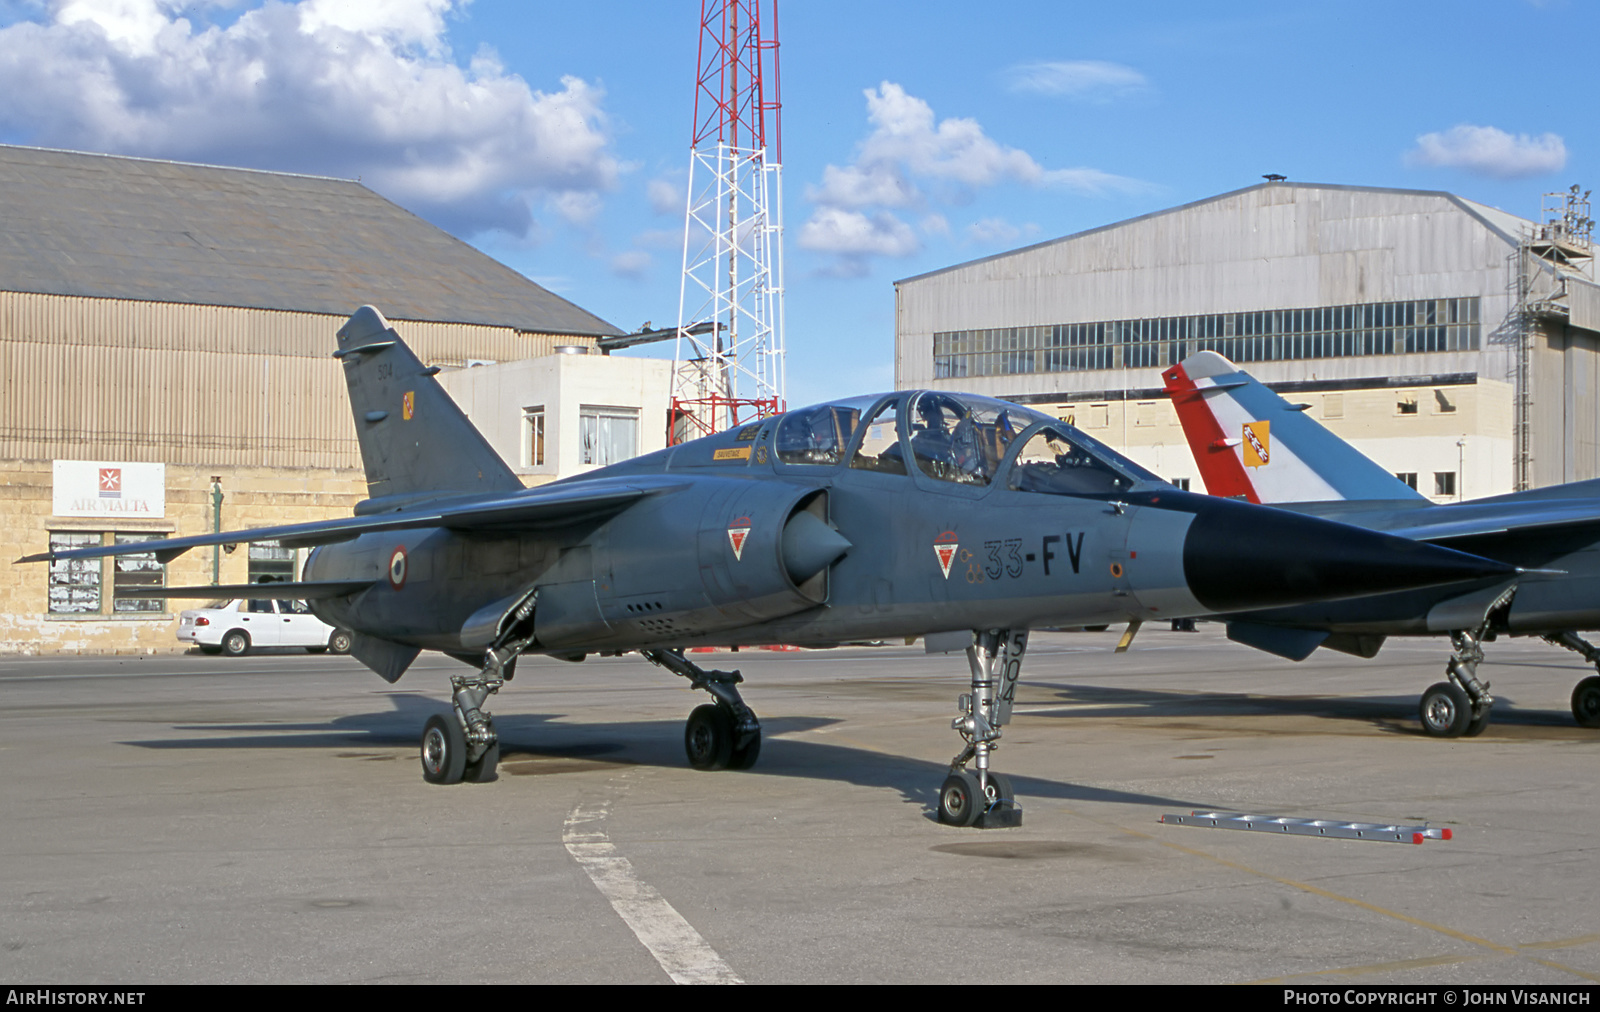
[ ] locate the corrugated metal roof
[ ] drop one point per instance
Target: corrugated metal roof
(1502, 223)
(101, 226)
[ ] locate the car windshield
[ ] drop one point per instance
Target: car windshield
(1060, 460)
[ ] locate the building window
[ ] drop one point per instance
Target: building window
(1409, 478)
(74, 583)
(1444, 483)
(609, 435)
(270, 563)
(1383, 328)
(533, 436)
(1333, 405)
(1441, 404)
(1182, 483)
(1406, 405)
(129, 572)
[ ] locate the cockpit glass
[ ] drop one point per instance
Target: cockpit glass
(962, 439)
(880, 445)
(819, 434)
(1060, 461)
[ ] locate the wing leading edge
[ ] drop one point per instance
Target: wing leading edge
(530, 510)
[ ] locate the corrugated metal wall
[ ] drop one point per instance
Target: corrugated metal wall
(206, 385)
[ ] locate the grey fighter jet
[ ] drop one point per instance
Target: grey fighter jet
(1252, 444)
(959, 519)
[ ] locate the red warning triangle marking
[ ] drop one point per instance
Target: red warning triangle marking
(736, 536)
(946, 554)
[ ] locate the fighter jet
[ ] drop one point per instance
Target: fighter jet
(1253, 445)
(963, 520)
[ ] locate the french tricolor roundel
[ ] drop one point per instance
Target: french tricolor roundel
(945, 547)
(397, 567)
(737, 532)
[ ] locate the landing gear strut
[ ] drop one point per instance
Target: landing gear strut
(1459, 707)
(979, 796)
(467, 748)
(724, 734)
(1586, 694)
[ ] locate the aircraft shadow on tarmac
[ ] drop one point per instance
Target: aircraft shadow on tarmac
(1392, 714)
(544, 743)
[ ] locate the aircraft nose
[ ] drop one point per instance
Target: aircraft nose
(1238, 557)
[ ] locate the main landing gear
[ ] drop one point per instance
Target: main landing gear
(464, 746)
(978, 796)
(1586, 694)
(1458, 707)
(724, 734)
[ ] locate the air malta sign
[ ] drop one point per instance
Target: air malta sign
(98, 488)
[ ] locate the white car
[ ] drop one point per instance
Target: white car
(236, 627)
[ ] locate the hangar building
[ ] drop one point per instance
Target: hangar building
(1453, 343)
(165, 334)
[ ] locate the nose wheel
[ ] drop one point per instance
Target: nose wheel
(979, 796)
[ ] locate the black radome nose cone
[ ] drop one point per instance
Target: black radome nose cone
(1239, 557)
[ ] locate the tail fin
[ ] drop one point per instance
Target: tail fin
(413, 436)
(1251, 443)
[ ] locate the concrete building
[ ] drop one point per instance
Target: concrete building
(165, 333)
(1453, 343)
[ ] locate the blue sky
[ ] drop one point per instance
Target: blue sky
(555, 136)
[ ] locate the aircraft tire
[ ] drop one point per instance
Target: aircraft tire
(1476, 725)
(708, 737)
(1445, 711)
(444, 751)
(236, 643)
(744, 758)
(1586, 702)
(958, 799)
(1000, 788)
(485, 770)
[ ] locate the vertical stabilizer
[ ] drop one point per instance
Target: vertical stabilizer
(413, 436)
(1252, 444)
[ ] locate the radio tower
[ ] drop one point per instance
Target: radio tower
(728, 367)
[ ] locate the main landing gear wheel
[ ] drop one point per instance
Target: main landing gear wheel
(236, 643)
(1586, 702)
(444, 751)
(708, 737)
(724, 735)
(1445, 711)
(959, 799)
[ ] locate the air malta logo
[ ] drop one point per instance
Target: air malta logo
(1257, 444)
(111, 483)
(408, 405)
(945, 547)
(737, 532)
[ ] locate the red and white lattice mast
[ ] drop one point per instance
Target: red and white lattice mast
(728, 368)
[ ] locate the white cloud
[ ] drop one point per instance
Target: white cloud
(992, 230)
(853, 234)
(1091, 80)
(911, 160)
(1489, 151)
(350, 88)
(631, 264)
(666, 197)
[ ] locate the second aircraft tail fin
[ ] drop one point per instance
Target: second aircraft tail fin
(1250, 443)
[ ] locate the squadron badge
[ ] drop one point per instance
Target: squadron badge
(1257, 444)
(945, 547)
(737, 532)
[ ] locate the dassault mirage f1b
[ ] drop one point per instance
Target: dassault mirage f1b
(959, 519)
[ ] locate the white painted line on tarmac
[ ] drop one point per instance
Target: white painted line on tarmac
(673, 941)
